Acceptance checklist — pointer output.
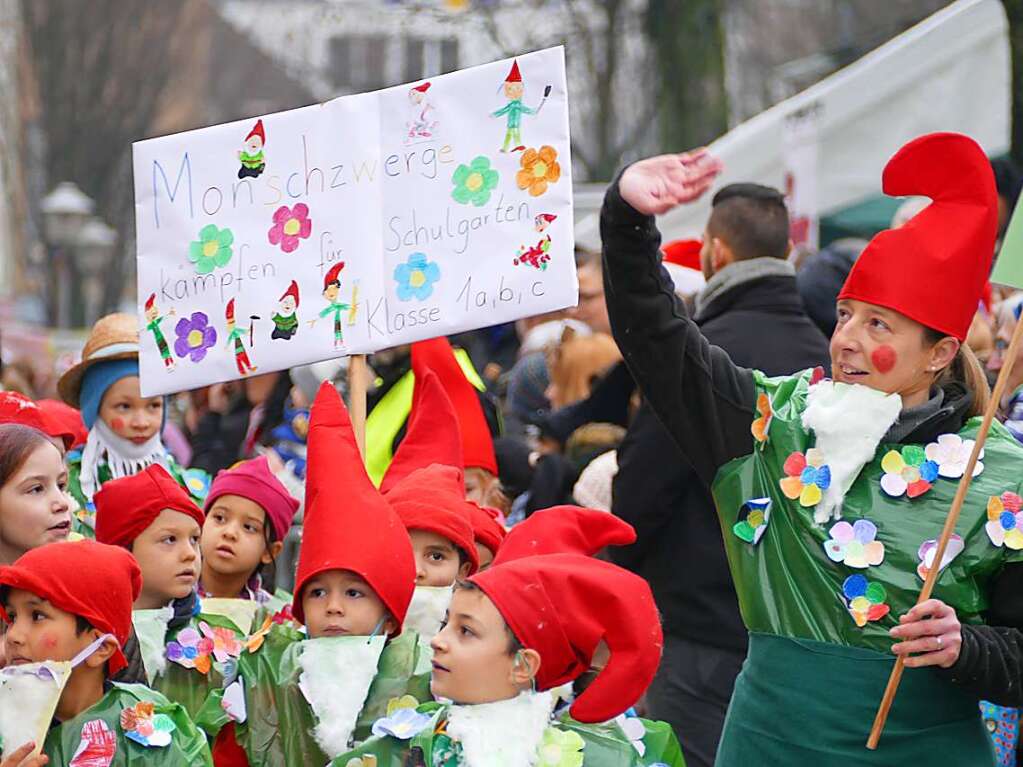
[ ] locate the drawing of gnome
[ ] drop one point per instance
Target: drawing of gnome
(514, 109)
(538, 255)
(153, 320)
(237, 337)
(421, 126)
(331, 292)
(251, 157)
(285, 319)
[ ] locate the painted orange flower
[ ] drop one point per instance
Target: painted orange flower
(763, 423)
(539, 168)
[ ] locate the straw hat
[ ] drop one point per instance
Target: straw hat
(114, 337)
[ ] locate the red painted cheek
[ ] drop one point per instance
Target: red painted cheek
(117, 424)
(49, 641)
(884, 358)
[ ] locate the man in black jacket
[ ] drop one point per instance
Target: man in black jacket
(752, 309)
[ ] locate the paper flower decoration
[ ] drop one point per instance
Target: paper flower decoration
(763, 422)
(854, 545)
(1005, 521)
(929, 548)
(816, 376)
(539, 169)
(367, 760)
(191, 650)
(403, 724)
(634, 730)
(195, 337)
(141, 724)
(254, 641)
(807, 477)
(951, 452)
(212, 250)
(283, 616)
(197, 483)
(233, 702)
(907, 472)
(416, 277)
(560, 748)
(474, 182)
(225, 644)
(97, 745)
(290, 225)
(405, 701)
(865, 600)
(753, 518)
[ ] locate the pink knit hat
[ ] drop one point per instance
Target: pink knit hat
(254, 480)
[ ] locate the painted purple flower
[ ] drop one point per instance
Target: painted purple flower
(195, 336)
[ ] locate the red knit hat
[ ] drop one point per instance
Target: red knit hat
(561, 606)
(348, 525)
(257, 130)
(291, 291)
(432, 435)
(334, 275)
(66, 419)
(433, 499)
(565, 530)
(254, 480)
(126, 507)
(933, 269)
(91, 580)
(17, 408)
(477, 442)
(514, 76)
(683, 253)
(486, 529)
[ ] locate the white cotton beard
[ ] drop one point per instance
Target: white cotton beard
(151, 634)
(28, 702)
(503, 734)
(848, 421)
(122, 456)
(427, 610)
(336, 675)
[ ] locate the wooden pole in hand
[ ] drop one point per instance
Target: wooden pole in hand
(950, 524)
(358, 375)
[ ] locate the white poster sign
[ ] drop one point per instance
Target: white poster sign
(355, 225)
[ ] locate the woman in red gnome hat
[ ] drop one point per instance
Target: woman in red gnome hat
(830, 493)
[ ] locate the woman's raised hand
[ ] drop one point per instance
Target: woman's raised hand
(657, 184)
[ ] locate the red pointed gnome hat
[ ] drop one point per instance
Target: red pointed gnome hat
(514, 76)
(486, 529)
(562, 605)
(477, 442)
(683, 253)
(334, 275)
(150, 301)
(422, 88)
(432, 435)
(348, 525)
(565, 530)
(291, 291)
(934, 268)
(229, 311)
(433, 499)
(94, 581)
(17, 408)
(257, 130)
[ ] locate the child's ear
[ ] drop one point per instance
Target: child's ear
(464, 568)
(271, 552)
(103, 653)
(390, 626)
(525, 667)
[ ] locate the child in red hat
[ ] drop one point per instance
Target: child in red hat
(68, 609)
(305, 696)
(488, 533)
(248, 514)
(514, 633)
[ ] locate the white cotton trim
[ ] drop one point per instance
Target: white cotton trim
(848, 420)
(336, 675)
(28, 702)
(503, 734)
(427, 609)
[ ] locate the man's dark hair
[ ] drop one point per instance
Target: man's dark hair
(1008, 180)
(752, 219)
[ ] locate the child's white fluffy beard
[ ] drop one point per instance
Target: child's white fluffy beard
(427, 610)
(28, 702)
(848, 421)
(507, 733)
(151, 632)
(336, 675)
(122, 456)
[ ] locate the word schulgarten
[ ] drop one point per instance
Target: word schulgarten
(354, 225)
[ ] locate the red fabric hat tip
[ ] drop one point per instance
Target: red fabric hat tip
(683, 253)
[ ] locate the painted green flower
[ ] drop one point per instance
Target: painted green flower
(561, 748)
(474, 182)
(212, 250)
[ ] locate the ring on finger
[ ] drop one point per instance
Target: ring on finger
(939, 642)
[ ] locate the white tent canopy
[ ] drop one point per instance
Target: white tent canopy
(951, 72)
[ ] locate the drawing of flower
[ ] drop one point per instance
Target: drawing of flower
(403, 724)
(754, 516)
(416, 277)
(929, 548)
(807, 477)
(195, 337)
(634, 730)
(854, 544)
(1005, 520)
(539, 168)
(290, 225)
(864, 600)
(191, 650)
(762, 424)
(474, 182)
(225, 643)
(951, 452)
(142, 725)
(908, 472)
(212, 250)
(560, 748)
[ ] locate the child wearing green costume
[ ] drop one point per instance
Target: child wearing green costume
(303, 698)
(68, 611)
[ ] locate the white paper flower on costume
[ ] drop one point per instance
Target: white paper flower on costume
(951, 452)
(634, 731)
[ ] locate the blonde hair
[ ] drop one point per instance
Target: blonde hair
(967, 370)
(575, 362)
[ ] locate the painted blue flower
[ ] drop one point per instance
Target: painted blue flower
(416, 277)
(816, 475)
(403, 724)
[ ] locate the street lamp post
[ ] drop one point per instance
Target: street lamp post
(65, 211)
(93, 251)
